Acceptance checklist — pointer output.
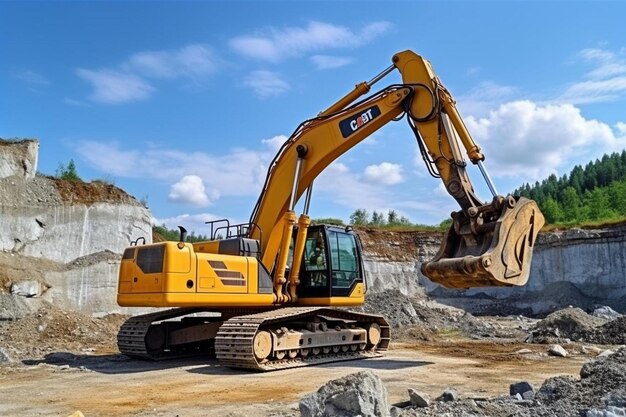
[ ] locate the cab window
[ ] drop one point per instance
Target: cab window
(345, 263)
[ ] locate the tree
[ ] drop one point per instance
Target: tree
(359, 217)
(377, 219)
(68, 173)
(571, 203)
(552, 211)
(598, 205)
(392, 217)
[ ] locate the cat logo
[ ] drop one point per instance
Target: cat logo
(353, 123)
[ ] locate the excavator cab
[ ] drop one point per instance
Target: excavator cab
(332, 264)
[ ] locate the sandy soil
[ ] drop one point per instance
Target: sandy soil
(112, 385)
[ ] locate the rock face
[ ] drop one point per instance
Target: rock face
(80, 229)
(361, 394)
(392, 259)
(18, 158)
(584, 268)
(63, 220)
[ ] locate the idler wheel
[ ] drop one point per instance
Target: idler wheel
(262, 345)
(373, 335)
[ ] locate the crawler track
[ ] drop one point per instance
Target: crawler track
(234, 345)
(131, 339)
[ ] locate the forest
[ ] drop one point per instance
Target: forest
(594, 193)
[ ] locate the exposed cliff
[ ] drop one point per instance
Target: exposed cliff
(62, 240)
(573, 267)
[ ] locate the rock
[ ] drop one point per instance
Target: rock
(557, 350)
(77, 414)
(3, 356)
(604, 353)
(521, 388)
(449, 395)
(417, 399)
(27, 288)
(518, 397)
(524, 351)
(606, 312)
(610, 411)
(591, 349)
(395, 411)
(360, 394)
(528, 395)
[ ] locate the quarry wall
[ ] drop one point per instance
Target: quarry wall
(61, 242)
(64, 238)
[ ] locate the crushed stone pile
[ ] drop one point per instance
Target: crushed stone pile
(611, 333)
(52, 330)
(570, 323)
(419, 318)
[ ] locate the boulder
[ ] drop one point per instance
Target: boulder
(360, 394)
(29, 288)
(417, 399)
(557, 350)
(606, 312)
(520, 388)
(449, 395)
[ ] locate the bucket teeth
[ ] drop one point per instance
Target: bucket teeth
(498, 256)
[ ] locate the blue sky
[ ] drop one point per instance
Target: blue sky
(184, 104)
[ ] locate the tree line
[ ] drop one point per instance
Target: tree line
(595, 192)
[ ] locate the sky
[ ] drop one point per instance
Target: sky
(184, 104)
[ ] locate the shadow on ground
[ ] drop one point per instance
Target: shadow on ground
(121, 364)
(383, 364)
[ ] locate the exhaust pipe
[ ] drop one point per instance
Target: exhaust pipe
(183, 237)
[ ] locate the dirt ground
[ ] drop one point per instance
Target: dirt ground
(109, 384)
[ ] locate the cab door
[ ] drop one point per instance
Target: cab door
(346, 263)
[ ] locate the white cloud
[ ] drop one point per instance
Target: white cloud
(127, 81)
(594, 91)
(385, 173)
(32, 77)
(191, 190)
(190, 61)
(275, 143)
(527, 141)
(266, 83)
(239, 172)
(113, 87)
(275, 44)
(323, 62)
(340, 185)
(484, 97)
(606, 81)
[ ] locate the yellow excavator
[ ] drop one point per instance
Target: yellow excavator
(262, 294)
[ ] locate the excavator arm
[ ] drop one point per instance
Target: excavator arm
(487, 244)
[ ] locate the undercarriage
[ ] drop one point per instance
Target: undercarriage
(270, 340)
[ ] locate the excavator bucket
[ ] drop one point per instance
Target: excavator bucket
(491, 247)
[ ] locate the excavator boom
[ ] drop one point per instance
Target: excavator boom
(488, 244)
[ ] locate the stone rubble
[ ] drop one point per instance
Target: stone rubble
(360, 394)
(599, 392)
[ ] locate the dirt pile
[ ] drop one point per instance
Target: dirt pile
(611, 333)
(570, 323)
(419, 318)
(53, 330)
